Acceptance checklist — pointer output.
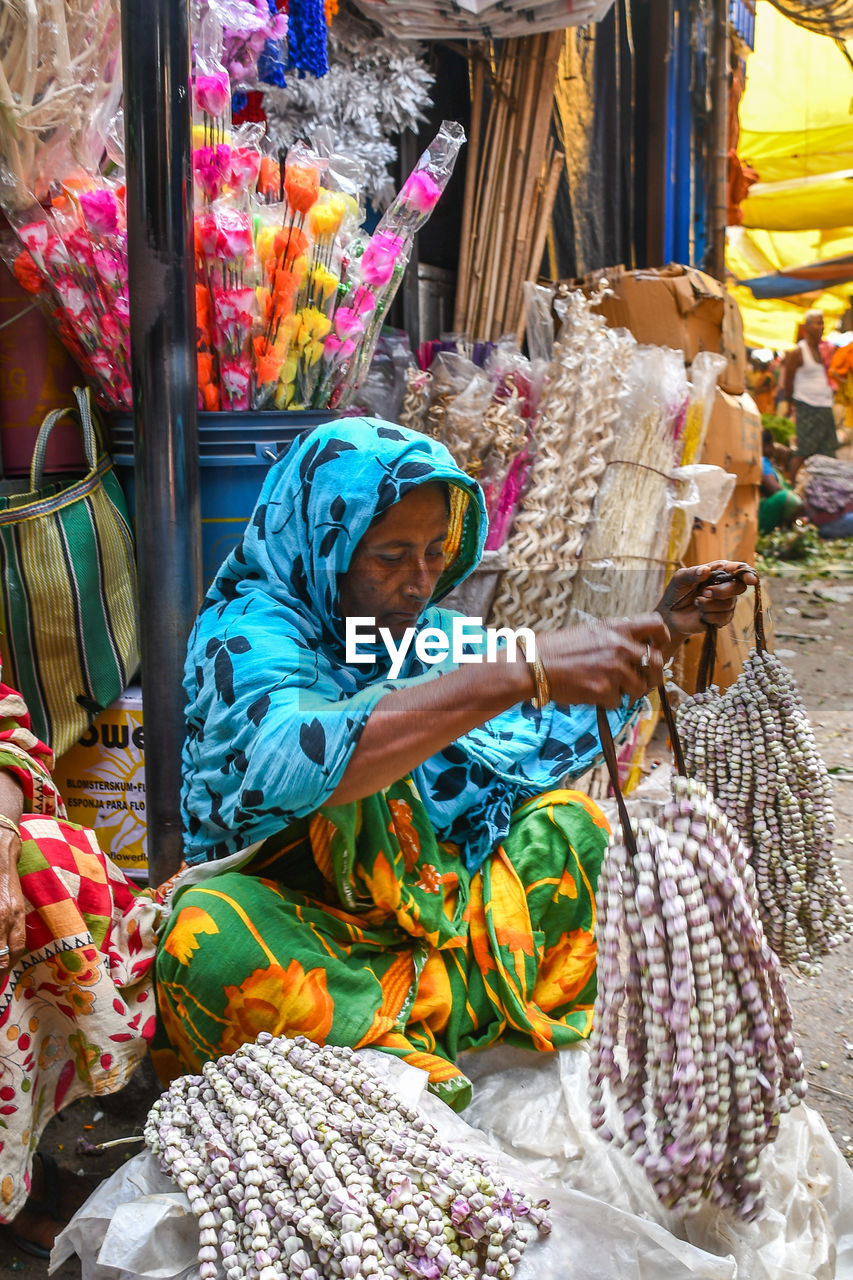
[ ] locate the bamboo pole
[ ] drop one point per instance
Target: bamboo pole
(464, 268)
(540, 235)
(517, 165)
(534, 174)
(500, 108)
(495, 282)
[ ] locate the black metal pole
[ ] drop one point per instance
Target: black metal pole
(157, 125)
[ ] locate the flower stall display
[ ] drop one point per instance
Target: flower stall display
(279, 261)
(322, 290)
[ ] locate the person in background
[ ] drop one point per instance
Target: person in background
(810, 394)
(761, 381)
(77, 944)
(778, 505)
(845, 324)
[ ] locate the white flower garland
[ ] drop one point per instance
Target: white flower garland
(299, 1161)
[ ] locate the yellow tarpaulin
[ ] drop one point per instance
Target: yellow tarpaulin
(796, 130)
(795, 114)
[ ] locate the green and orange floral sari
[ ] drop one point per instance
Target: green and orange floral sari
(358, 927)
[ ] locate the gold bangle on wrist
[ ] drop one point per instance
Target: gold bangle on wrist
(543, 688)
(13, 826)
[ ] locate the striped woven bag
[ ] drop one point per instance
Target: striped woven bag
(68, 598)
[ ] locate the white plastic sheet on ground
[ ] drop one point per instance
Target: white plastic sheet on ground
(607, 1223)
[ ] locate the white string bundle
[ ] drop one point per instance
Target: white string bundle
(58, 63)
(574, 434)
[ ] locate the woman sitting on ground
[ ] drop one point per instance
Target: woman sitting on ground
(398, 862)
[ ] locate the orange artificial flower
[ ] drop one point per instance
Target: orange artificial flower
(210, 395)
(301, 186)
(27, 273)
(269, 178)
(267, 361)
(202, 310)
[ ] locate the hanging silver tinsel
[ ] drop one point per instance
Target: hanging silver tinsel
(376, 87)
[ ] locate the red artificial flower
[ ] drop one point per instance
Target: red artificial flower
(27, 273)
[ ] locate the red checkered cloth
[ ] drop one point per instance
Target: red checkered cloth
(77, 1010)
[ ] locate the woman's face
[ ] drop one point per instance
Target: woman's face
(399, 560)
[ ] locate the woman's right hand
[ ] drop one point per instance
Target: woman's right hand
(599, 664)
(12, 906)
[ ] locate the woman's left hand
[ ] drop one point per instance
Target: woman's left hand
(701, 603)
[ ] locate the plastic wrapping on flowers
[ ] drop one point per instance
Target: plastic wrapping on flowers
(290, 297)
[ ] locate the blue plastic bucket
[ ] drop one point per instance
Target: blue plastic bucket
(235, 452)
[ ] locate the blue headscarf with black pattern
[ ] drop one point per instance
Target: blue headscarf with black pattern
(273, 710)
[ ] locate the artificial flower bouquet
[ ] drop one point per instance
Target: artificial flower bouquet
(290, 295)
(72, 257)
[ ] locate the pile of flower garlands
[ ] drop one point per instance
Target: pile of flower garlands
(689, 986)
(299, 1161)
(755, 749)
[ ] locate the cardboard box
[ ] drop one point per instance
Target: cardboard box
(102, 781)
(733, 438)
(678, 307)
(734, 537)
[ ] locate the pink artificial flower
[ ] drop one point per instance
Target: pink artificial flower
(362, 300)
(103, 365)
(380, 258)
(55, 253)
(235, 234)
(74, 299)
(333, 348)
(109, 268)
(235, 378)
(347, 323)
(113, 331)
(79, 246)
(211, 168)
(245, 167)
(208, 233)
(100, 210)
(34, 236)
(233, 313)
(421, 191)
(212, 93)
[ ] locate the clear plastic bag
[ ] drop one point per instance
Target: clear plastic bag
(376, 265)
(625, 552)
(701, 491)
(539, 322)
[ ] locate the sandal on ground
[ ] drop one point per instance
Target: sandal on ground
(47, 1204)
